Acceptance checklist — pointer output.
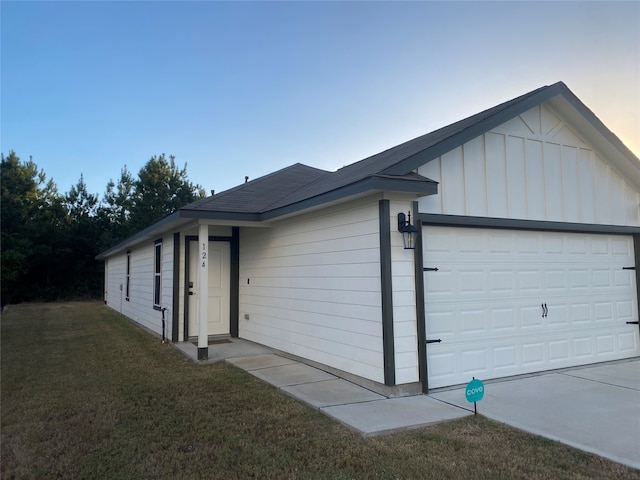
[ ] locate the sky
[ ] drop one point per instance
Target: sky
(237, 89)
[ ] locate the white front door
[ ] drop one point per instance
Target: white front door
(508, 302)
(218, 292)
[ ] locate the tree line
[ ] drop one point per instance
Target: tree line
(49, 240)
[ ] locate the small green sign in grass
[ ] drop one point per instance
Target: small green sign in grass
(474, 391)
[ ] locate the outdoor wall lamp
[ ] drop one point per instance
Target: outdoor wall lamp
(408, 231)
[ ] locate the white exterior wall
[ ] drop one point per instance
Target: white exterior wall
(533, 167)
(115, 281)
(404, 301)
(191, 231)
(139, 307)
(311, 287)
(181, 272)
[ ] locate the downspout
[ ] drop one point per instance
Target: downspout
(164, 337)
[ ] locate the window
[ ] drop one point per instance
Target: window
(128, 276)
(157, 274)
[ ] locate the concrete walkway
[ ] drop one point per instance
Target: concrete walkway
(356, 407)
(595, 408)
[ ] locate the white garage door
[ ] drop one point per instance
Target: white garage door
(508, 302)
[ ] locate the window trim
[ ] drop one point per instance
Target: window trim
(157, 274)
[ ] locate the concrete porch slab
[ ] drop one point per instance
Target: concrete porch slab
(291, 374)
(237, 347)
(257, 362)
(331, 392)
(394, 414)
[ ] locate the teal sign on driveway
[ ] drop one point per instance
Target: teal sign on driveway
(474, 391)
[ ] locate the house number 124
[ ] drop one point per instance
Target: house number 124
(204, 255)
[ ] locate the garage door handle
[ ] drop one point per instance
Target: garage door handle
(545, 310)
(628, 268)
(434, 341)
(633, 323)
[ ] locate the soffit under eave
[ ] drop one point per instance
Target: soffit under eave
(168, 224)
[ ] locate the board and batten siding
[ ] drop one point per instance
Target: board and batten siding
(533, 167)
(139, 307)
(310, 286)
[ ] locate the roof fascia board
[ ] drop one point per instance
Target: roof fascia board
(604, 142)
(416, 160)
(231, 223)
(369, 184)
(160, 226)
(596, 123)
(214, 215)
(518, 224)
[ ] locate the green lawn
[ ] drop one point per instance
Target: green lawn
(86, 394)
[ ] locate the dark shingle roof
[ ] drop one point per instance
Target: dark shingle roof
(257, 195)
(390, 161)
(299, 186)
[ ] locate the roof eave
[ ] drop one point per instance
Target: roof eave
(419, 187)
(598, 135)
(412, 162)
(220, 215)
(152, 231)
(559, 92)
(179, 218)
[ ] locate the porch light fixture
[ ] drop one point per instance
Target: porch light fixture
(408, 231)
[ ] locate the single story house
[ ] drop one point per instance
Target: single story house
(526, 228)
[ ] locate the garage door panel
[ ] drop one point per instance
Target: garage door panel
(532, 357)
(558, 316)
(583, 347)
(623, 278)
(529, 281)
(624, 310)
(621, 247)
(486, 303)
(580, 313)
(465, 319)
(517, 356)
(503, 319)
(605, 344)
(628, 342)
(599, 246)
(558, 351)
(471, 282)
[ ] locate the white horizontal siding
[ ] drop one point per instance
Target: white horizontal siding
(139, 306)
(166, 283)
(404, 301)
(181, 291)
(533, 167)
(115, 283)
(311, 287)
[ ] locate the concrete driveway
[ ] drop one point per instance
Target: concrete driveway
(595, 408)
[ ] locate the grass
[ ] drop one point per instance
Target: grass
(87, 394)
